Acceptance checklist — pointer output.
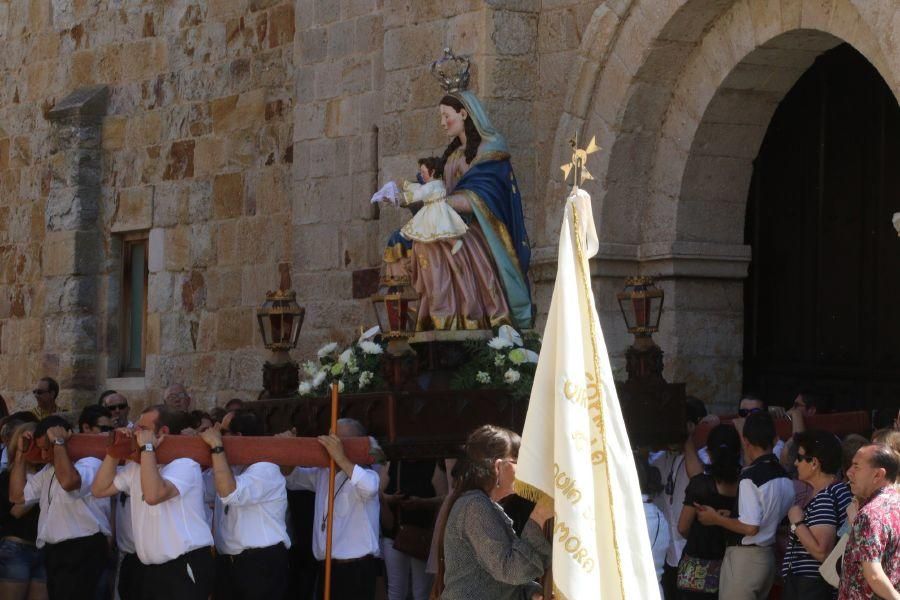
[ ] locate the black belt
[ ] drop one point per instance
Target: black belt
(342, 561)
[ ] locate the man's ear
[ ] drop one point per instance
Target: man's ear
(164, 430)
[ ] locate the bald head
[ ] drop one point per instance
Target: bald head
(177, 398)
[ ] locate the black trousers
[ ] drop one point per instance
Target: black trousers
(352, 580)
(807, 588)
(255, 573)
(130, 570)
(74, 567)
(188, 577)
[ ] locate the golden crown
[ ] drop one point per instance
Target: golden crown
(451, 71)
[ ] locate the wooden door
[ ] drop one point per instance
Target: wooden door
(822, 301)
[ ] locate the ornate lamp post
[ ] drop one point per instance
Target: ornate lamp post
(641, 303)
(280, 319)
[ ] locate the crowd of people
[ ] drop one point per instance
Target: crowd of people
(813, 516)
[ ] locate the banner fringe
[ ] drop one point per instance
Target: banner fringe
(530, 492)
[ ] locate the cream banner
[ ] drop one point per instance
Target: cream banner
(574, 448)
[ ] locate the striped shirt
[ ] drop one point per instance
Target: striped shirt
(828, 507)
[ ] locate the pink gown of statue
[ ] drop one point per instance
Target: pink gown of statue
(457, 291)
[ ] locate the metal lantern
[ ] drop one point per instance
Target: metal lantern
(396, 307)
(280, 319)
(641, 303)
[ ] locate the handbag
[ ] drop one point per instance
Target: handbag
(699, 574)
(413, 540)
(831, 566)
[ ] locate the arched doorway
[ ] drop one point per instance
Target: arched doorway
(820, 301)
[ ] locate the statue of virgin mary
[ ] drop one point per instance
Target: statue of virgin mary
(481, 283)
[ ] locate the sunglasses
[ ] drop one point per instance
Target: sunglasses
(805, 458)
(745, 412)
(39, 392)
(122, 406)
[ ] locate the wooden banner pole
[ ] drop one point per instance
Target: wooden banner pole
(331, 475)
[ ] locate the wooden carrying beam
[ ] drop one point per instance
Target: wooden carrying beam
(839, 424)
(240, 450)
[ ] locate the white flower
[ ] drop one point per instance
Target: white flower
(310, 368)
(370, 347)
(499, 343)
(352, 367)
(345, 356)
(482, 377)
(319, 378)
(499, 359)
(510, 335)
(523, 355)
(369, 334)
(305, 388)
(365, 378)
(512, 376)
(327, 349)
(340, 386)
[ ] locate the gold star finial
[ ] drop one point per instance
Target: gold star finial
(578, 166)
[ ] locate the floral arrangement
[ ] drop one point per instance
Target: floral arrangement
(355, 369)
(507, 361)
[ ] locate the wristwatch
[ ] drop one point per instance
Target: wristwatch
(218, 450)
(148, 447)
(795, 525)
(59, 442)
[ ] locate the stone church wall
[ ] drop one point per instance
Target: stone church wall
(244, 136)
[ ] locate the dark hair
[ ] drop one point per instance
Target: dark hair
(724, 447)
(245, 422)
(238, 401)
(649, 477)
(884, 457)
(811, 399)
(851, 444)
(48, 422)
(694, 409)
(175, 420)
(883, 418)
(52, 386)
(484, 445)
(433, 164)
(823, 446)
(754, 397)
(759, 430)
(473, 138)
(196, 418)
(218, 413)
(23, 416)
(91, 414)
(103, 396)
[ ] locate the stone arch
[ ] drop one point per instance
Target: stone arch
(679, 94)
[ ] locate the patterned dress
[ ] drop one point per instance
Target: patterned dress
(874, 537)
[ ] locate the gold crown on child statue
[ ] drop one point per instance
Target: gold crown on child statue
(451, 71)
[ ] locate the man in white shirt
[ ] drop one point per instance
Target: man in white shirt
(171, 537)
(355, 537)
(249, 520)
(765, 493)
(71, 527)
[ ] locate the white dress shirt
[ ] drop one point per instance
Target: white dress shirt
(66, 515)
(256, 509)
(356, 510)
(124, 529)
(658, 529)
(675, 479)
(172, 528)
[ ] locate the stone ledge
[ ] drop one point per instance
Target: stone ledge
(660, 259)
(126, 384)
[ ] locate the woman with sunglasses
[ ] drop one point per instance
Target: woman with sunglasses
(814, 528)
